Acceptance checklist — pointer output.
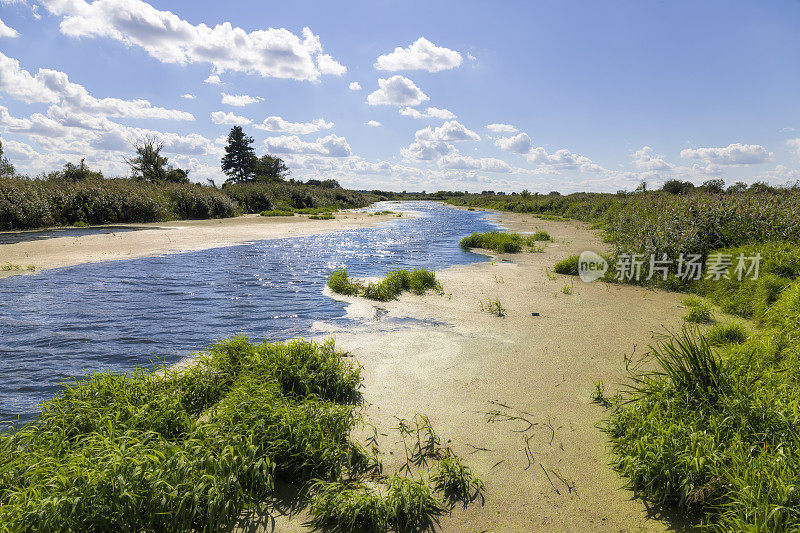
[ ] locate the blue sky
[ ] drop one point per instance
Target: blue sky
(576, 95)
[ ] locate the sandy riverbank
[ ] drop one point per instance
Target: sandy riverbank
(171, 237)
(539, 367)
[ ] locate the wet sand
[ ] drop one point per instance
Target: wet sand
(171, 237)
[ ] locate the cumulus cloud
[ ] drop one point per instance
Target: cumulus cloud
(372, 123)
(733, 154)
(278, 124)
(221, 117)
(277, 53)
(327, 65)
(240, 100)
(53, 86)
(646, 160)
(794, 144)
(519, 144)
(431, 112)
(355, 86)
(397, 90)
(464, 162)
(501, 128)
(433, 143)
(6, 31)
(189, 96)
(213, 79)
(330, 146)
(562, 158)
(420, 55)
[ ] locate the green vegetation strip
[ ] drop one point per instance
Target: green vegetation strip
(191, 450)
(502, 242)
(417, 281)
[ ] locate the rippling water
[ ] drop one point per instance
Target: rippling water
(58, 324)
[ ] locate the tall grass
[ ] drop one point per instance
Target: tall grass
(37, 203)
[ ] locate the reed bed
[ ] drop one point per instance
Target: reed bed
(26, 204)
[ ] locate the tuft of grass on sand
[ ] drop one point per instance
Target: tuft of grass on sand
(699, 310)
(277, 213)
(722, 334)
(494, 307)
(568, 266)
(418, 281)
(502, 242)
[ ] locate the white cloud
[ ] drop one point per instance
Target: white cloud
(421, 55)
(355, 86)
(733, 154)
(272, 52)
(397, 90)
(189, 96)
(278, 124)
(52, 86)
(431, 112)
(221, 117)
(645, 159)
(464, 162)
(519, 144)
(501, 128)
(330, 146)
(240, 100)
(794, 144)
(372, 123)
(213, 79)
(6, 31)
(562, 158)
(433, 143)
(327, 65)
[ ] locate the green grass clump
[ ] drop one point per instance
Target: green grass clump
(502, 242)
(277, 213)
(417, 281)
(455, 480)
(399, 504)
(713, 431)
(568, 266)
(494, 307)
(731, 333)
(340, 283)
(185, 450)
(323, 216)
(699, 310)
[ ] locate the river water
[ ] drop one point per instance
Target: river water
(58, 325)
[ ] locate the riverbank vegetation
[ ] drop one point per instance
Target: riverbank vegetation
(418, 281)
(708, 422)
(156, 191)
(184, 450)
(503, 242)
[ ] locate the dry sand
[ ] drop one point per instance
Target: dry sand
(171, 237)
(460, 363)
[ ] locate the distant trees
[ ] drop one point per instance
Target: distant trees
(716, 186)
(677, 186)
(75, 173)
(242, 165)
(6, 168)
(325, 184)
(149, 165)
(270, 168)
